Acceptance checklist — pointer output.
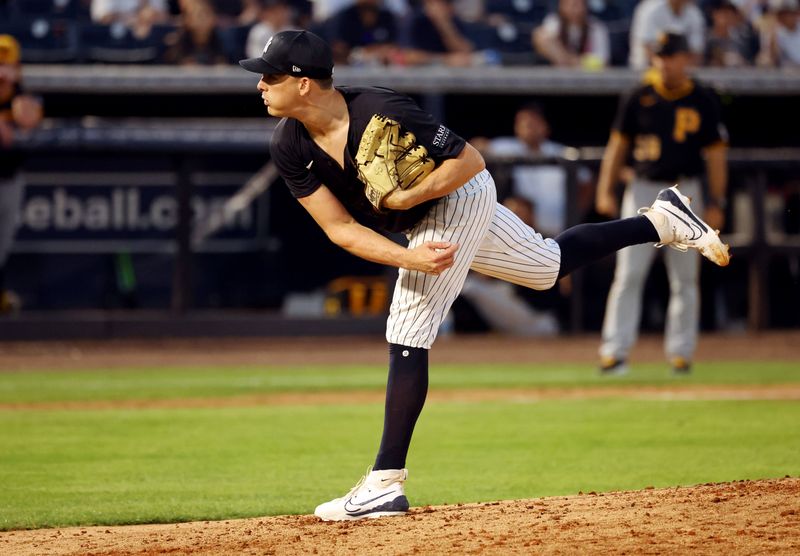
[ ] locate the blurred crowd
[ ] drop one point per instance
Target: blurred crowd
(583, 33)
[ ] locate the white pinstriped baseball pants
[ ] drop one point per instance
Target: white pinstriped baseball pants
(492, 241)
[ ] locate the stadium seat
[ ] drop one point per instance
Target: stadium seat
(234, 41)
(481, 35)
(44, 41)
(514, 37)
(323, 28)
(519, 11)
(59, 9)
(116, 44)
(618, 35)
(508, 43)
(605, 10)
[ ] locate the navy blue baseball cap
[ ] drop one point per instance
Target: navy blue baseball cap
(670, 44)
(295, 53)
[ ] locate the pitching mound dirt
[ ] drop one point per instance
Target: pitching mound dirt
(743, 517)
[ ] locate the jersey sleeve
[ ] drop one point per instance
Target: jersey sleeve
(293, 168)
(626, 122)
(712, 129)
(440, 141)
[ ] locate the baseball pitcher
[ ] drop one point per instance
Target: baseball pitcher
(367, 160)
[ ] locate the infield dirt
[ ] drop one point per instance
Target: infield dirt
(368, 351)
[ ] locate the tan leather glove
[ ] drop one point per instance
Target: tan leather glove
(388, 158)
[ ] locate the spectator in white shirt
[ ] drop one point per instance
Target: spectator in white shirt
(780, 35)
(571, 37)
(138, 15)
(274, 16)
(323, 9)
(654, 17)
(544, 185)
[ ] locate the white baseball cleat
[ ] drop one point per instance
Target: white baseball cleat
(680, 228)
(377, 494)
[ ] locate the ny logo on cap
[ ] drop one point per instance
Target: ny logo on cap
(296, 69)
(269, 42)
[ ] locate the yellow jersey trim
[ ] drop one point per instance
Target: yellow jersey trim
(653, 77)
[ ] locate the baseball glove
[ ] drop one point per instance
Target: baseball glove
(388, 158)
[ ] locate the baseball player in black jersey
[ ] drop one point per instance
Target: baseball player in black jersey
(668, 124)
(337, 146)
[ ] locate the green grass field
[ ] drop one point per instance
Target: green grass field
(114, 466)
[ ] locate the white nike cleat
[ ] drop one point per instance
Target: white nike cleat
(378, 494)
(681, 229)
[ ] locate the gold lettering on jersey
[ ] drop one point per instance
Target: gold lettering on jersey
(648, 147)
(687, 120)
(647, 101)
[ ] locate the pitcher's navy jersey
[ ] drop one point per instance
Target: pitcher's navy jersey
(304, 166)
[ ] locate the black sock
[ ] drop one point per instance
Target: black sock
(2, 277)
(406, 390)
(586, 243)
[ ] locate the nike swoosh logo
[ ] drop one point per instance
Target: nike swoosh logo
(676, 202)
(354, 507)
(309, 165)
(696, 231)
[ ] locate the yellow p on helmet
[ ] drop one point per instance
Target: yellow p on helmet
(9, 50)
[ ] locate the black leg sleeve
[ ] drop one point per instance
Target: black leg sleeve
(585, 243)
(406, 390)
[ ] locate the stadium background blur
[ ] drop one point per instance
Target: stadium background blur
(149, 121)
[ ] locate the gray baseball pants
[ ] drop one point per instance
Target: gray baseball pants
(624, 306)
(11, 190)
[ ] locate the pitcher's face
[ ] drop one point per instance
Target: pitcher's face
(279, 92)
